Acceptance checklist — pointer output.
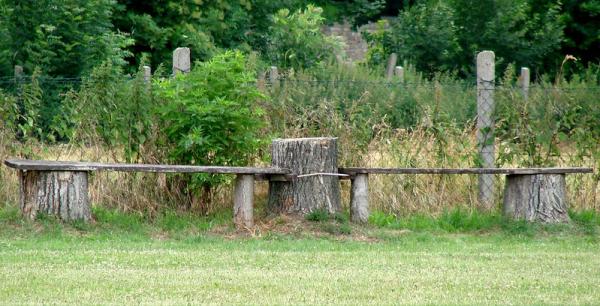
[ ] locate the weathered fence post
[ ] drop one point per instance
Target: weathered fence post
(389, 73)
(485, 125)
(524, 82)
(274, 76)
(181, 61)
(243, 201)
(60, 193)
(399, 71)
(536, 198)
(359, 198)
(147, 74)
(18, 72)
(314, 161)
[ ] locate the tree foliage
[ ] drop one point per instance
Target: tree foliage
(66, 37)
(296, 39)
(446, 35)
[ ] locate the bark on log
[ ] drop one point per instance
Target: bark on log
(536, 198)
(359, 199)
(63, 194)
(243, 201)
(308, 193)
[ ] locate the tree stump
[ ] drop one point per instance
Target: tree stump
(536, 198)
(314, 160)
(63, 194)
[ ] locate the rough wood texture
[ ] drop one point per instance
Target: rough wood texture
(87, 166)
(243, 201)
(60, 193)
(354, 171)
(359, 199)
(305, 194)
(536, 198)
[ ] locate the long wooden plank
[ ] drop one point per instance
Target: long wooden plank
(354, 171)
(88, 166)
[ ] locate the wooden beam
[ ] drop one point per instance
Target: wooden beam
(355, 171)
(39, 165)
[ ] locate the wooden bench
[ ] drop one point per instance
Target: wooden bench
(533, 194)
(61, 187)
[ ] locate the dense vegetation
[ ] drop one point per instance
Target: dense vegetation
(84, 87)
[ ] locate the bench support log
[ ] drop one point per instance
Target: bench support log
(243, 201)
(359, 198)
(63, 194)
(317, 186)
(536, 198)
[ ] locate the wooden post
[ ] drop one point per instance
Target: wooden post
(243, 201)
(524, 82)
(359, 198)
(536, 198)
(63, 194)
(399, 71)
(181, 61)
(274, 76)
(317, 186)
(485, 125)
(390, 66)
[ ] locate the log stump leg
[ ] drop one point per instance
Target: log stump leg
(243, 201)
(63, 194)
(314, 160)
(536, 198)
(359, 199)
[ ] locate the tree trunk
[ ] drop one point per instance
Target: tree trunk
(314, 160)
(63, 194)
(536, 198)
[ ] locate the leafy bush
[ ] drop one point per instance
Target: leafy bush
(109, 104)
(445, 35)
(211, 115)
(296, 41)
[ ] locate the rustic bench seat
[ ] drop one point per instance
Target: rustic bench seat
(533, 194)
(61, 187)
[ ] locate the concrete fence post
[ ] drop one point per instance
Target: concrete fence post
(147, 74)
(274, 76)
(485, 125)
(389, 73)
(399, 71)
(524, 82)
(181, 61)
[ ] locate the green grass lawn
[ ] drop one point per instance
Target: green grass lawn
(127, 262)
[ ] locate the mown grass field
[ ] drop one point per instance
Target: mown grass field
(122, 260)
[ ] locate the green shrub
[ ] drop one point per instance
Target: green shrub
(211, 116)
(318, 215)
(381, 219)
(296, 41)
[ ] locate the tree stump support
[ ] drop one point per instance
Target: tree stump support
(243, 201)
(536, 198)
(63, 194)
(359, 198)
(314, 162)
